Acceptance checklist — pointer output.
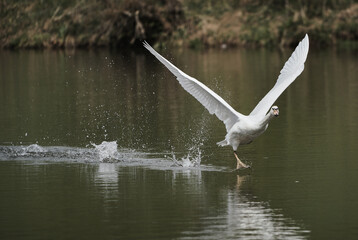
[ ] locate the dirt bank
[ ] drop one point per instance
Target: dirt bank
(196, 24)
(59, 24)
(265, 25)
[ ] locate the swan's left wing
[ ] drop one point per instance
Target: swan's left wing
(209, 99)
(291, 70)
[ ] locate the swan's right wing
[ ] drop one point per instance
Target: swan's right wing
(290, 71)
(209, 99)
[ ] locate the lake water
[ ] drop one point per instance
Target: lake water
(107, 145)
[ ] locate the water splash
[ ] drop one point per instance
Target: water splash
(194, 140)
(108, 151)
(33, 148)
(193, 159)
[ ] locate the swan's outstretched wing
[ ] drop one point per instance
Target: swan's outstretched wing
(211, 101)
(292, 69)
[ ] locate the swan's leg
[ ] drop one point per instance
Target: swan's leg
(239, 163)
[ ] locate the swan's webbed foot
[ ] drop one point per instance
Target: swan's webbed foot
(240, 165)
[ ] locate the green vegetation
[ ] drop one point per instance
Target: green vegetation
(192, 23)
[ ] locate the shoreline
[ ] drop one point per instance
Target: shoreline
(39, 25)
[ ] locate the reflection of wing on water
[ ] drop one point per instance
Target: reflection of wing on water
(247, 218)
(257, 220)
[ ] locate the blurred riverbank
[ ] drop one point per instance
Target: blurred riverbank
(195, 24)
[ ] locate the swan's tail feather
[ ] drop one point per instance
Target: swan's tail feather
(222, 143)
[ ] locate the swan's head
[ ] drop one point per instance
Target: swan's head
(275, 111)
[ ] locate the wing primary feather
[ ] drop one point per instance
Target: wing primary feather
(208, 98)
(290, 71)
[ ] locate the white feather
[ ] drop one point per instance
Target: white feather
(290, 71)
(209, 99)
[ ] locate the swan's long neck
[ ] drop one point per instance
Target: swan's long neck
(266, 119)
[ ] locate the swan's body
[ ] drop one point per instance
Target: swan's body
(241, 129)
(244, 132)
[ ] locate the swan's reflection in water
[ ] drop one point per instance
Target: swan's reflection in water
(256, 220)
(192, 204)
(247, 218)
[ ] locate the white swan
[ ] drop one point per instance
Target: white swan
(241, 129)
